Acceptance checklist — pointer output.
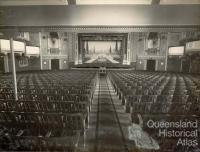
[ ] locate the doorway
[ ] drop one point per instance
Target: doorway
(55, 64)
(151, 65)
(185, 66)
(1, 64)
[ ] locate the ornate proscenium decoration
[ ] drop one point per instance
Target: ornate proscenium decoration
(115, 51)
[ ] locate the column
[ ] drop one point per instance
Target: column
(166, 55)
(76, 50)
(6, 64)
(41, 63)
(13, 69)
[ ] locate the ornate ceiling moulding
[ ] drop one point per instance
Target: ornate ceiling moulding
(102, 36)
(157, 28)
(151, 57)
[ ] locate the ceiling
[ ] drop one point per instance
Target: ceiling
(111, 2)
(32, 2)
(136, 2)
(96, 2)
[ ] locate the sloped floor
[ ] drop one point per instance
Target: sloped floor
(108, 127)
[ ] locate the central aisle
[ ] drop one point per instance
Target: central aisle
(108, 133)
(108, 122)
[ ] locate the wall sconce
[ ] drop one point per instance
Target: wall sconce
(140, 62)
(162, 63)
(65, 62)
(45, 62)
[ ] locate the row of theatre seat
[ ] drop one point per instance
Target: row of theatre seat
(168, 97)
(51, 113)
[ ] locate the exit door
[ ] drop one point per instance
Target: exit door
(151, 65)
(1, 64)
(55, 64)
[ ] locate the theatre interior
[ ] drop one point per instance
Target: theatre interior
(100, 75)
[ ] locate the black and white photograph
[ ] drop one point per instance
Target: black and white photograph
(100, 75)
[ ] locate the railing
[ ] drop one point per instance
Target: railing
(54, 51)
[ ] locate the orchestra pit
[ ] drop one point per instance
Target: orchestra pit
(100, 75)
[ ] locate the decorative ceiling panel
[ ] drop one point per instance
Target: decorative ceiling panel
(103, 29)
